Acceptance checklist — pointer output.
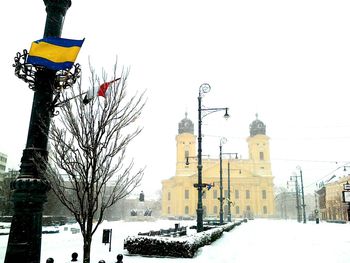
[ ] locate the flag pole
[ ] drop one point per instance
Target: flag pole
(66, 100)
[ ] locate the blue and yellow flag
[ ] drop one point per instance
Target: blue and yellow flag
(54, 53)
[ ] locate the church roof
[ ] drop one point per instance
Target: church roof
(186, 125)
(257, 127)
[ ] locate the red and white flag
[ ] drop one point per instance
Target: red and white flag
(100, 91)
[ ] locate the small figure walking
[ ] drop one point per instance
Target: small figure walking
(120, 258)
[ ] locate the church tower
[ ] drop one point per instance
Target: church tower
(259, 149)
(251, 182)
(185, 148)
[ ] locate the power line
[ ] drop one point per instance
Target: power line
(300, 160)
(328, 174)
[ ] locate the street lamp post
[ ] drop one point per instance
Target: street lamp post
(204, 88)
(30, 187)
(302, 194)
(223, 140)
(295, 177)
(228, 193)
(295, 180)
(229, 219)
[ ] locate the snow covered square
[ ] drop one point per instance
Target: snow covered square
(259, 240)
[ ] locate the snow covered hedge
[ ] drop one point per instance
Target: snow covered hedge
(184, 247)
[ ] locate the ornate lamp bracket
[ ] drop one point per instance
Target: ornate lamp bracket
(64, 78)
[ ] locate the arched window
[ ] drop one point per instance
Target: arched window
(261, 155)
(187, 194)
(237, 194)
(187, 210)
(215, 211)
(168, 209)
(215, 194)
(237, 210)
(265, 210)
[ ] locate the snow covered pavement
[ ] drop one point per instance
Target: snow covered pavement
(259, 240)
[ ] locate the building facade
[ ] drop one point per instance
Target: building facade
(330, 200)
(251, 180)
(3, 161)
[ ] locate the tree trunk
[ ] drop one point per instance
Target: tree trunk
(87, 248)
(88, 238)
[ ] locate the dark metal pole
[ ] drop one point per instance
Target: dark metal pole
(228, 193)
(284, 205)
(302, 196)
(297, 199)
(221, 199)
(110, 241)
(199, 166)
(30, 187)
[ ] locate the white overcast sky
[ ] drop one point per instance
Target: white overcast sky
(288, 61)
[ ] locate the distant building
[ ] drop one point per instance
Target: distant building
(124, 208)
(251, 180)
(5, 192)
(3, 161)
(330, 201)
(286, 205)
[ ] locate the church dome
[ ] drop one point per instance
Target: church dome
(186, 125)
(257, 127)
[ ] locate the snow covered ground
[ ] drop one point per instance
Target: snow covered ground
(259, 240)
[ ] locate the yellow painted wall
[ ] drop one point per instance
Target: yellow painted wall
(179, 196)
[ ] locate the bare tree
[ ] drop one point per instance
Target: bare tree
(88, 169)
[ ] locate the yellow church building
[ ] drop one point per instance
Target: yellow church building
(251, 180)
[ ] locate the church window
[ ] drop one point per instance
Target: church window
(168, 209)
(187, 194)
(215, 194)
(261, 155)
(265, 210)
(215, 211)
(204, 195)
(169, 195)
(187, 210)
(237, 210)
(186, 154)
(237, 194)
(247, 194)
(263, 194)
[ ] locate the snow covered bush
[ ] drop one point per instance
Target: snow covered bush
(184, 246)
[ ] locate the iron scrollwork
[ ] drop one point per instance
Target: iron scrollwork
(64, 78)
